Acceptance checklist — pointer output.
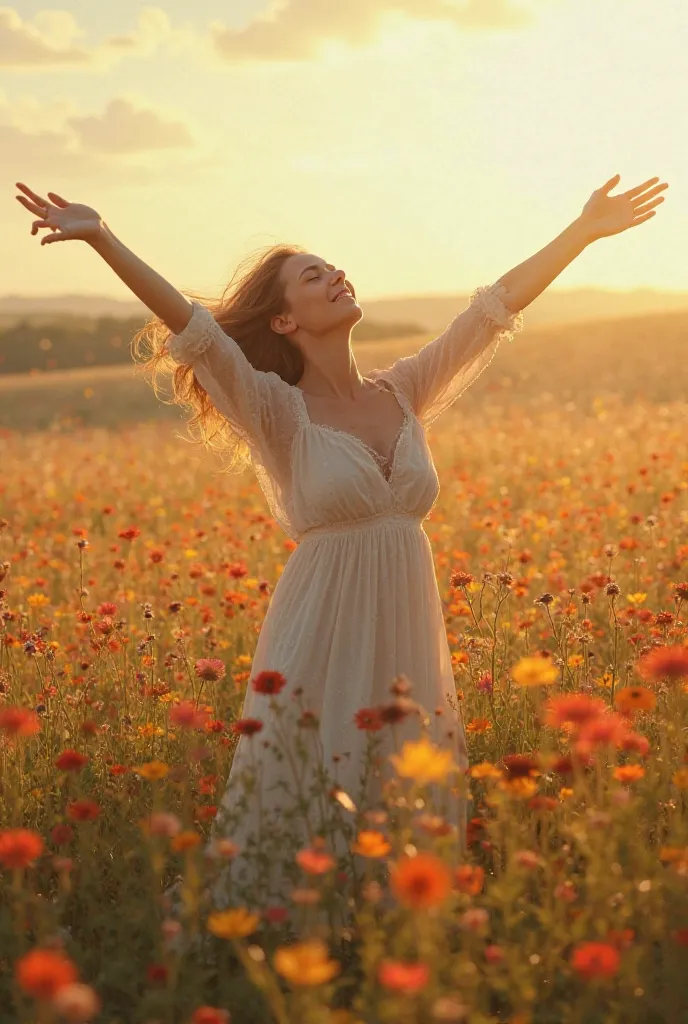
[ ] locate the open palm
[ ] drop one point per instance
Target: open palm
(605, 215)
(67, 220)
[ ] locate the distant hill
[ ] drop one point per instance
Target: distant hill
(431, 312)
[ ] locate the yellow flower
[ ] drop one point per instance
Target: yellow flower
(636, 598)
(574, 660)
(680, 778)
(37, 600)
(485, 770)
(306, 963)
(153, 770)
(371, 844)
(233, 924)
(537, 671)
(424, 762)
(565, 793)
(521, 787)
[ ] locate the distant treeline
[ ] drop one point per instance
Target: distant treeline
(69, 343)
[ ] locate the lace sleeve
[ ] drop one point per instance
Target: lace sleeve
(257, 406)
(436, 375)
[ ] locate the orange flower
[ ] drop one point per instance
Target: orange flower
(634, 698)
(628, 773)
(210, 1015)
(595, 960)
(16, 721)
(420, 882)
(371, 844)
(43, 972)
(664, 663)
(606, 731)
(19, 847)
(478, 725)
(576, 708)
(469, 879)
(185, 841)
(315, 862)
(407, 978)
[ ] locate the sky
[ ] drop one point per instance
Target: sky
(424, 146)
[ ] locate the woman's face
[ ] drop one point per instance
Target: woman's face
(318, 297)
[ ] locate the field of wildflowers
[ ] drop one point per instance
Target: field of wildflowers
(133, 582)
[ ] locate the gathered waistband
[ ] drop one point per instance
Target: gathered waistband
(367, 523)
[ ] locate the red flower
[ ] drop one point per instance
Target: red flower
(276, 915)
(19, 847)
(62, 834)
(269, 682)
(71, 761)
(130, 533)
(187, 716)
(157, 973)
(576, 708)
(210, 1015)
(83, 810)
(247, 726)
(664, 663)
(210, 669)
(369, 719)
(595, 959)
(16, 721)
(408, 978)
(43, 972)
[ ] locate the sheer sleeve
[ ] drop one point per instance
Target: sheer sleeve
(257, 406)
(436, 375)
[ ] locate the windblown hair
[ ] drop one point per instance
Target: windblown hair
(253, 296)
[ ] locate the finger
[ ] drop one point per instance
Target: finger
(653, 192)
(33, 207)
(608, 185)
(53, 238)
(58, 200)
(32, 195)
(633, 192)
(38, 224)
(641, 219)
(647, 206)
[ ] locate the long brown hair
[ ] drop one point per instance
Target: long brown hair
(253, 296)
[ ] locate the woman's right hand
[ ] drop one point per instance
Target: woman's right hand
(67, 220)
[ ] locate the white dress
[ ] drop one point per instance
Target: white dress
(357, 603)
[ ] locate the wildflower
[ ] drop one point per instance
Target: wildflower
(130, 533)
(77, 1003)
(43, 972)
(62, 834)
(628, 773)
(269, 682)
(210, 1015)
(153, 770)
(162, 823)
(18, 721)
(576, 708)
(459, 578)
(634, 698)
(368, 719)
(664, 663)
(236, 923)
(475, 919)
(187, 716)
(520, 765)
(71, 761)
(635, 743)
(595, 960)
(420, 882)
(276, 915)
(537, 671)
(423, 762)
(469, 879)
(528, 859)
(397, 710)
(83, 810)
(485, 683)
(484, 770)
(157, 974)
(19, 847)
(606, 731)
(680, 778)
(212, 670)
(247, 726)
(188, 840)
(478, 725)
(306, 963)
(403, 977)
(315, 862)
(371, 844)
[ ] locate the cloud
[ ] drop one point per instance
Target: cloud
(293, 30)
(121, 128)
(54, 39)
(72, 147)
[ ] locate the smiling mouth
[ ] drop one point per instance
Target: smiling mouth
(342, 295)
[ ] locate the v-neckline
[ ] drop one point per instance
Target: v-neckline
(373, 453)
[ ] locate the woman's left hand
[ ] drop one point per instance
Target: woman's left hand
(605, 215)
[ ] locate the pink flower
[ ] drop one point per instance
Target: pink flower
(210, 669)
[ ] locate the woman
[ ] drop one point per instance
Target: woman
(344, 464)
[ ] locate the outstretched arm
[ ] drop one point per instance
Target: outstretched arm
(601, 216)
